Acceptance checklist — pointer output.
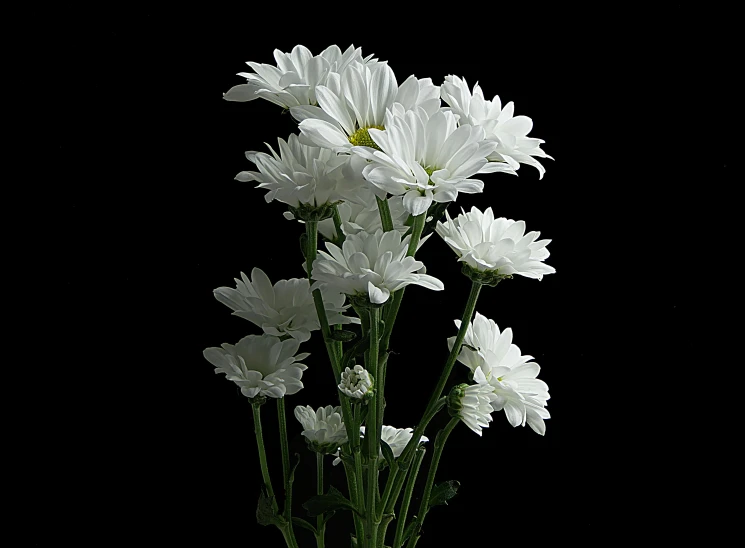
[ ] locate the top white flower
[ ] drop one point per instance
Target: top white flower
(293, 81)
(499, 245)
(356, 100)
(509, 131)
(426, 157)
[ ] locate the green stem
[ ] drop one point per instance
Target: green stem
(337, 225)
(371, 433)
(354, 493)
(404, 510)
(442, 437)
(385, 214)
(397, 477)
(416, 233)
(465, 321)
(320, 526)
(287, 513)
(262, 455)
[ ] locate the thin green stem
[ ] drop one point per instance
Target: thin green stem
(442, 437)
(404, 510)
(465, 321)
(337, 225)
(416, 233)
(371, 433)
(262, 455)
(287, 513)
(354, 493)
(397, 477)
(320, 526)
(385, 214)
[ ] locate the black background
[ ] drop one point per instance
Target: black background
(157, 448)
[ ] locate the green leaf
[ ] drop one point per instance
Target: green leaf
(357, 350)
(328, 517)
(291, 479)
(409, 530)
(265, 513)
(333, 500)
(388, 454)
(304, 244)
(304, 524)
(343, 335)
(443, 492)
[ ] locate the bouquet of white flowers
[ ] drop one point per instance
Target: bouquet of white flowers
(373, 168)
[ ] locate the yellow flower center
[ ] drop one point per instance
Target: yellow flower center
(361, 137)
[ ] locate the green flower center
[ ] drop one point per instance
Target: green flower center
(361, 137)
(430, 170)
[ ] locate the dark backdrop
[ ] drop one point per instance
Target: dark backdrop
(151, 221)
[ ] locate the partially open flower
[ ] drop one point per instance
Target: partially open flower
(472, 402)
(262, 365)
(355, 382)
(323, 429)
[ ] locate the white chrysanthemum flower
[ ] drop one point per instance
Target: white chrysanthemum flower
(397, 438)
(357, 101)
(500, 124)
(473, 402)
(501, 245)
(286, 308)
(262, 365)
(355, 382)
(426, 157)
(293, 81)
(302, 174)
(521, 395)
(323, 429)
(364, 216)
(375, 265)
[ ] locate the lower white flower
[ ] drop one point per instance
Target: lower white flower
(285, 308)
(262, 365)
(396, 438)
(472, 403)
(513, 377)
(375, 265)
(499, 245)
(323, 429)
(355, 382)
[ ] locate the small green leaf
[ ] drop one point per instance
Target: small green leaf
(443, 492)
(304, 524)
(357, 350)
(388, 454)
(265, 513)
(291, 479)
(409, 530)
(328, 517)
(303, 243)
(343, 335)
(333, 500)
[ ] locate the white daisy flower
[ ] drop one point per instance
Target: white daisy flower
(513, 377)
(426, 157)
(397, 438)
(472, 403)
(355, 382)
(293, 81)
(357, 101)
(323, 429)
(364, 216)
(499, 245)
(262, 365)
(302, 174)
(375, 265)
(285, 308)
(509, 131)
